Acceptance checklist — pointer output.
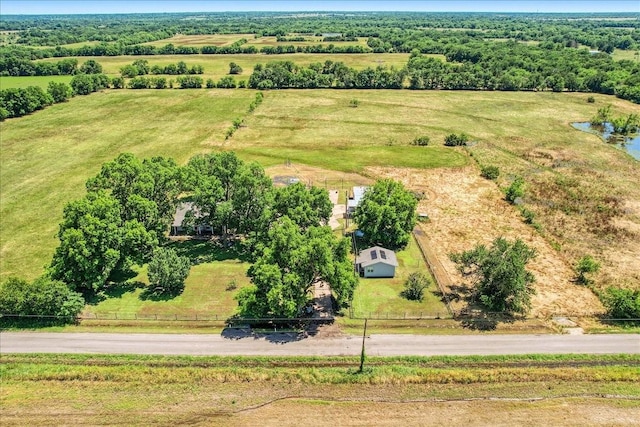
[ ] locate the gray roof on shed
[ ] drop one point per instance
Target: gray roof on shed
(375, 255)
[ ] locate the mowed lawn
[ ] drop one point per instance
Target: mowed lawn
(47, 157)
(381, 298)
(209, 290)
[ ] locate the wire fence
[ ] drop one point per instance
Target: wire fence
(475, 315)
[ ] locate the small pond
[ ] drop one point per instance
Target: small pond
(630, 144)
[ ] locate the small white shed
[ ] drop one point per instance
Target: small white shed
(377, 262)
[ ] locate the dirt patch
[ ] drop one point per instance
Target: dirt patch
(319, 177)
(466, 210)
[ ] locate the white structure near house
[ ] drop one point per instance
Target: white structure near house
(355, 198)
(376, 262)
(178, 220)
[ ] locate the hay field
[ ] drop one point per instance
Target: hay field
(217, 66)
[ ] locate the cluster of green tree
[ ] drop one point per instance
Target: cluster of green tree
(18, 102)
(141, 67)
(316, 48)
(121, 220)
(226, 82)
(286, 74)
(511, 66)
(386, 215)
(42, 297)
(620, 125)
(290, 261)
(399, 31)
(340, 38)
(84, 84)
(286, 237)
(142, 82)
(20, 66)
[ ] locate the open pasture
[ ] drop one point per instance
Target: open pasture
(217, 66)
(25, 81)
(199, 40)
(47, 157)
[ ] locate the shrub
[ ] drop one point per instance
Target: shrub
(515, 190)
(235, 68)
(42, 297)
(354, 103)
(622, 303)
(490, 172)
(210, 84)
(591, 100)
(586, 265)
(189, 82)
(528, 215)
(421, 141)
(414, 287)
(453, 140)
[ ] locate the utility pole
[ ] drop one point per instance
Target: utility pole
(364, 335)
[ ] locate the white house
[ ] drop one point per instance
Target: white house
(376, 262)
(178, 219)
(355, 198)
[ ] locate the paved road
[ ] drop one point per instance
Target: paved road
(284, 345)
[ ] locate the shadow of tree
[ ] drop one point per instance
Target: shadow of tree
(202, 251)
(278, 333)
(113, 290)
(154, 294)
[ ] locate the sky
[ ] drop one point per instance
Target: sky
(34, 7)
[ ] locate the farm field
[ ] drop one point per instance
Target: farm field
(228, 39)
(217, 66)
(136, 390)
(7, 82)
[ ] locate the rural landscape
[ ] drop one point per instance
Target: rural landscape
(307, 177)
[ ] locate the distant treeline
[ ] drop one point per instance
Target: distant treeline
(402, 31)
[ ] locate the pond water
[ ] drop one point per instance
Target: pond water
(630, 144)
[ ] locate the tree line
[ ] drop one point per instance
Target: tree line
(400, 31)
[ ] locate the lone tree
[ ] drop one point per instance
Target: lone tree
(414, 286)
(235, 68)
(502, 281)
(387, 214)
(168, 271)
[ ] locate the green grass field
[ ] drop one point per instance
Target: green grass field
(217, 66)
(207, 294)
(7, 82)
(381, 297)
(48, 156)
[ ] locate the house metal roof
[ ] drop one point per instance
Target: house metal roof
(358, 194)
(375, 255)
